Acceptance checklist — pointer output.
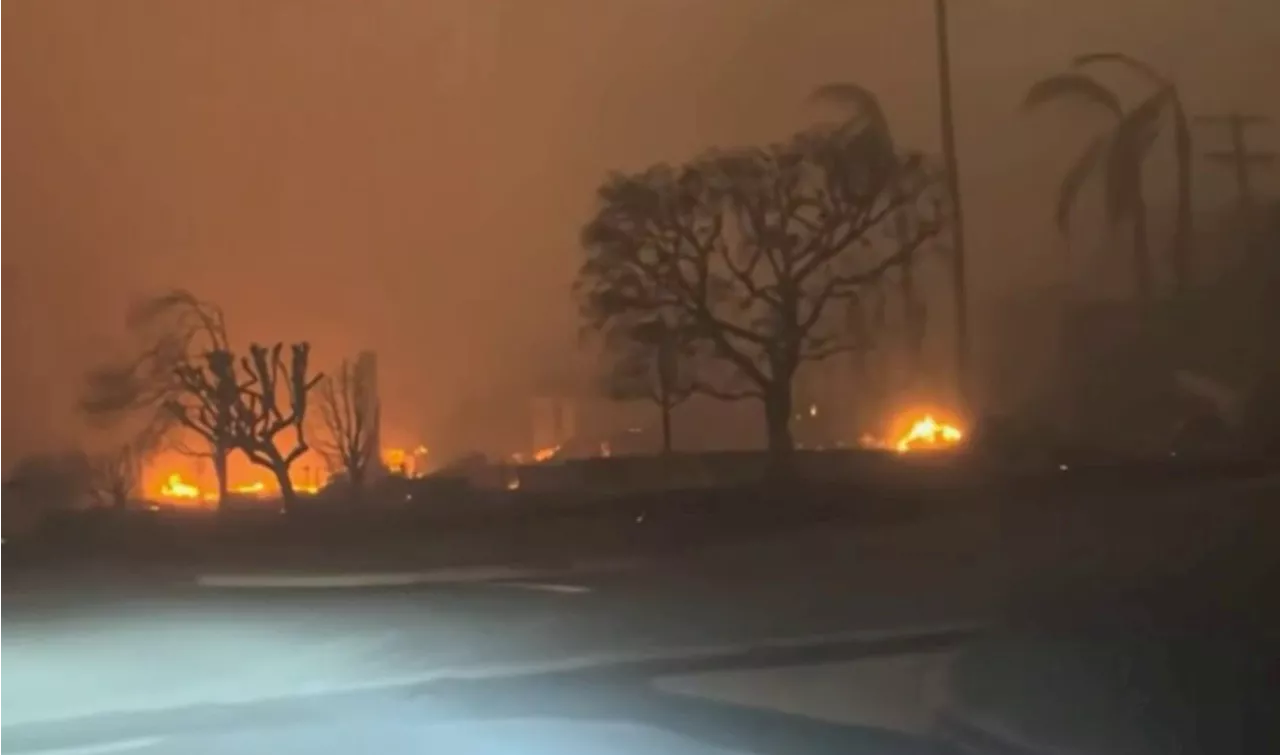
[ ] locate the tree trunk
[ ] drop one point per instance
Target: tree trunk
(666, 426)
(1143, 281)
(355, 476)
(666, 378)
(1184, 232)
(777, 417)
(220, 454)
(288, 495)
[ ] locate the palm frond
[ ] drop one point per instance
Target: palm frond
(1073, 181)
(861, 99)
(1073, 86)
(1124, 59)
(1145, 116)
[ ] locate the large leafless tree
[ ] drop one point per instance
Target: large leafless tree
(758, 251)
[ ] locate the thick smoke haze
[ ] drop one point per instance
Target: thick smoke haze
(410, 175)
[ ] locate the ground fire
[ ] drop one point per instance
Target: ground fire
(928, 433)
(176, 489)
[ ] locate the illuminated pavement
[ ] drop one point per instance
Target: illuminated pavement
(93, 670)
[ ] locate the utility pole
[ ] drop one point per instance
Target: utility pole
(1239, 158)
(959, 283)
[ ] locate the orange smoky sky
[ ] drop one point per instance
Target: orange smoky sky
(410, 175)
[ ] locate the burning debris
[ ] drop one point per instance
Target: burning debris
(928, 433)
(922, 433)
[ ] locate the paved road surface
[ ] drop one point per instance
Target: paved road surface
(130, 663)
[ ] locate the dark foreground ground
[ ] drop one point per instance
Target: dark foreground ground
(700, 649)
(342, 671)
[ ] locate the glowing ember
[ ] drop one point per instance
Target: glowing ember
(545, 454)
(926, 433)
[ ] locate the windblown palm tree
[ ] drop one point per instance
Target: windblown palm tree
(866, 106)
(1165, 98)
(1119, 154)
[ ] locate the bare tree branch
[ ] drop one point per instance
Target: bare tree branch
(153, 388)
(349, 409)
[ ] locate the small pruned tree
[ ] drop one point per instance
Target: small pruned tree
(350, 409)
(756, 249)
(259, 400)
(652, 360)
(203, 400)
(274, 402)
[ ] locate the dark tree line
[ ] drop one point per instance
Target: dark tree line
(756, 261)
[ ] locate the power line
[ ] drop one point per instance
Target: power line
(1239, 157)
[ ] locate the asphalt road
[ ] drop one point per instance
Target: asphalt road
(175, 667)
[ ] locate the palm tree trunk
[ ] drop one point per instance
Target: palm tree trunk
(666, 427)
(1143, 281)
(1183, 230)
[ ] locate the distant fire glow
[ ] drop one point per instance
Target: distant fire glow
(546, 454)
(407, 463)
(177, 489)
(928, 433)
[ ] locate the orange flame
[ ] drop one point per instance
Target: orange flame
(408, 463)
(927, 432)
(177, 489)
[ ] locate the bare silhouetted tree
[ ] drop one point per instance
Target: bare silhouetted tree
(175, 330)
(114, 476)
(349, 409)
(274, 402)
(754, 247)
(269, 400)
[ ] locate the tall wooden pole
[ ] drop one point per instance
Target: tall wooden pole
(959, 282)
